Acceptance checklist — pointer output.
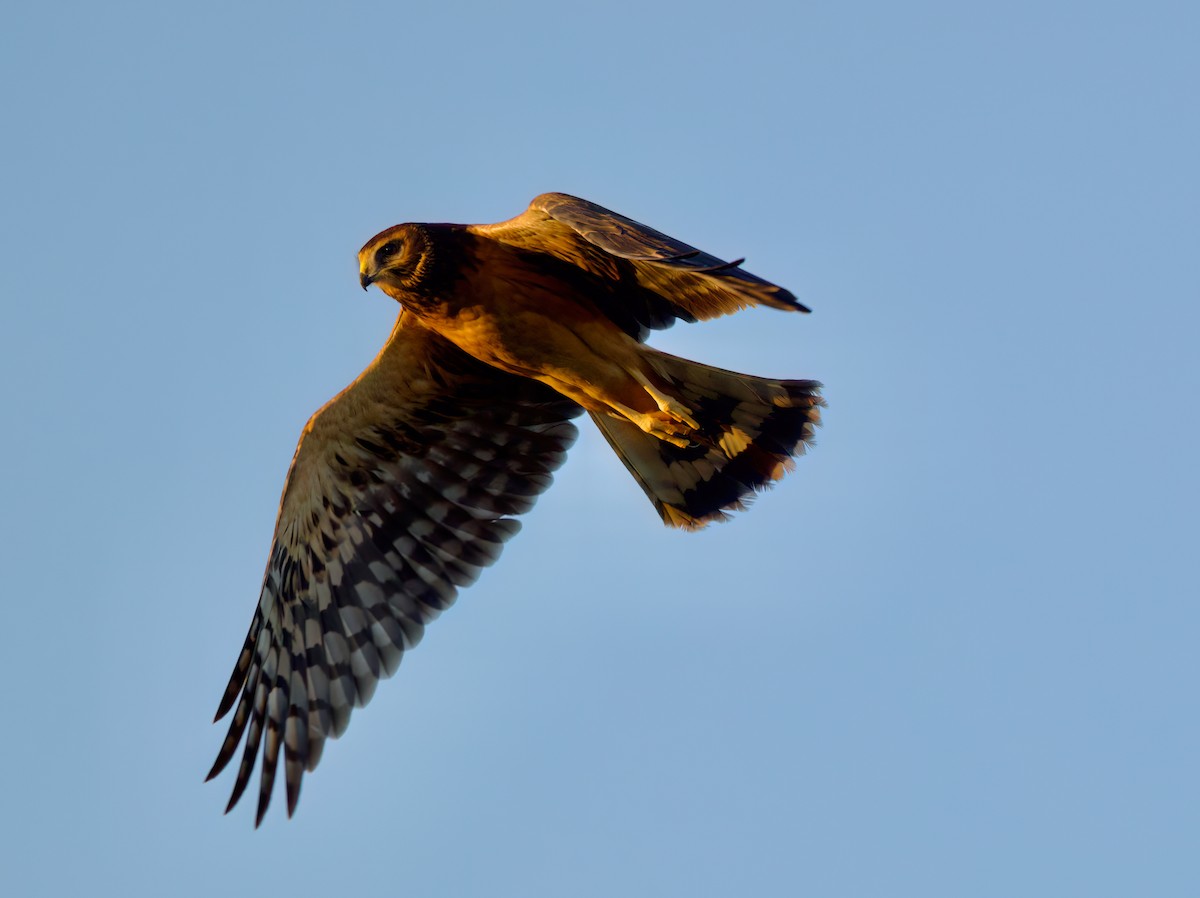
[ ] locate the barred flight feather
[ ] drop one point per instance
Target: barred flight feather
(396, 499)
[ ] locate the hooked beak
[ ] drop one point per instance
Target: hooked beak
(366, 280)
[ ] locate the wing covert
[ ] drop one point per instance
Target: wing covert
(663, 279)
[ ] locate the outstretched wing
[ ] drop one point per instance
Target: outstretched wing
(662, 279)
(401, 490)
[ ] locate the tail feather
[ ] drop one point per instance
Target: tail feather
(751, 429)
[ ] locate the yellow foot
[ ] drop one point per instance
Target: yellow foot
(669, 405)
(665, 426)
(661, 425)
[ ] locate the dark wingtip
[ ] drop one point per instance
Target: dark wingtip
(293, 796)
(262, 810)
(222, 760)
(230, 696)
(788, 299)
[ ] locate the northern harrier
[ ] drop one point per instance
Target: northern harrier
(404, 486)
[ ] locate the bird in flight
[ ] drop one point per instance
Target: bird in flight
(406, 484)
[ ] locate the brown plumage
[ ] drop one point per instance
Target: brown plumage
(565, 293)
(404, 486)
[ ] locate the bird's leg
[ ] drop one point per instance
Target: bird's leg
(666, 404)
(657, 424)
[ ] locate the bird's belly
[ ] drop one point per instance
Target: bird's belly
(569, 347)
(519, 341)
(526, 328)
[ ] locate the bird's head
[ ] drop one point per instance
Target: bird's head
(394, 259)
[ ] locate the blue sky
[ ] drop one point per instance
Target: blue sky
(953, 654)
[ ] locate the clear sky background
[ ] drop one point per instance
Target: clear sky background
(953, 655)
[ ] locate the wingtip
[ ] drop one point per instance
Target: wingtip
(264, 802)
(788, 301)
(227, 700)
(293, 796)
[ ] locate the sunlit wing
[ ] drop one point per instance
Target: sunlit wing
(402, 489)
(678, 281)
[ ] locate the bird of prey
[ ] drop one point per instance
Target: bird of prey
(407, 483)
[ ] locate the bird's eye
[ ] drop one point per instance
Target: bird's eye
(388, 249)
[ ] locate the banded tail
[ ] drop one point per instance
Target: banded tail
(751, 429)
